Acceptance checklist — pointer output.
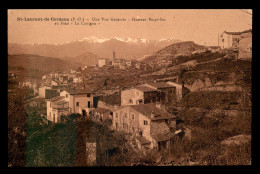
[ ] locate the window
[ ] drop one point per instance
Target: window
(77, 103)
(133, 116)
(89, 104)
(67, 95)
(88, 95)
(141, 133)
(131, 101)
(145, 122)
(125, 115)
(50, 104)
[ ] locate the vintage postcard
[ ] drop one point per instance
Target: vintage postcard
(129, 87)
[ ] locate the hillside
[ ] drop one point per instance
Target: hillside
(35, 62)
(172, 51)
(84, 59)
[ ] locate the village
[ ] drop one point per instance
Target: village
(145, 110)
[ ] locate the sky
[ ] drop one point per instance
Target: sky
(200, 26)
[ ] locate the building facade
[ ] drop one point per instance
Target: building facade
(245, 46)
(42, 91)
(103, 62)
(151, 93)
(69, 101)
(229, 40)
(148, 125)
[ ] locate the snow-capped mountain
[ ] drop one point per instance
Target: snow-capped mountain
(125, 47)
(130, 40)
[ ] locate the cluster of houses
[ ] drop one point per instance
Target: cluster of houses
(121, 63)
(141, 115)
(240, 42)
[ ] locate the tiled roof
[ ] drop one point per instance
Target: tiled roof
(238, 33)
(160, 85)
(142, 140)
(233, 33)
(62, 102)
(56, 98)
(148, 109)
(50, 93)
(101, 110)
(145, 88)
(78, 91)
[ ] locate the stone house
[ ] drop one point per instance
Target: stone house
(42, 91)
(138, 95)
(56, 107)
(165, 92)
(240, 42)
(148, 125)
(70, 101)
(101, 114)
(150, 93)
(229, 40)
(245, 45)
(179, 89)
(80, 101)
(50, 93)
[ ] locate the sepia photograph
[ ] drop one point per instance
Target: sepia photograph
(129, 87)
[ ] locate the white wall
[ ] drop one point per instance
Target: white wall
(132, 94)
(42, 91)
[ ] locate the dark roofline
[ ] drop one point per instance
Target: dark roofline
(237, 33)
(166, 85)
(151, 89)
(56, 98)
(77, 92)
(101, 110)
(159, 117)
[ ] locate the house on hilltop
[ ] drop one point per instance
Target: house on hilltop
(245, 45)
(151, 93)
(229, 40)
(238, 41)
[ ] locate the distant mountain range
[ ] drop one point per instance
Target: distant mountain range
(84, 59)
(35, 62)
(127, 48)
(172, 51)
(65, 60)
